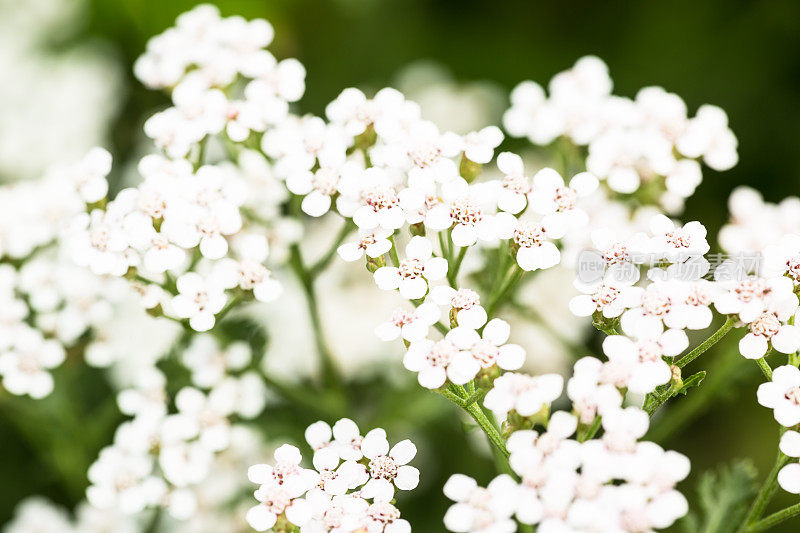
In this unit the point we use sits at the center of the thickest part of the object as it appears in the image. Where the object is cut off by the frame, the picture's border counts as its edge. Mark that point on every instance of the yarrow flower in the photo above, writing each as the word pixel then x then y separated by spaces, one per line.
pixel 415 271
pixel 782 395
pixel 336 495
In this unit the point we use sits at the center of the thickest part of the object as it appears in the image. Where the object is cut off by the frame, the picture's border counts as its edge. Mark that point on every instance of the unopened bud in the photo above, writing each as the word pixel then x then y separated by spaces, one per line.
pixel 469 169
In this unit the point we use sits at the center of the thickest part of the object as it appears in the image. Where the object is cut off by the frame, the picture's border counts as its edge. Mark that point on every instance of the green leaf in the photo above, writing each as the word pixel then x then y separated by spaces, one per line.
pixel 722 497
pixel 692 381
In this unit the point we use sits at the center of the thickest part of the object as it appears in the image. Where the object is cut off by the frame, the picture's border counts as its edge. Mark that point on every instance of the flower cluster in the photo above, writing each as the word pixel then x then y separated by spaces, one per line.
pixel 614 483
pixel 449 222
pixel 350 488
pixel 161 458
pixel 646 141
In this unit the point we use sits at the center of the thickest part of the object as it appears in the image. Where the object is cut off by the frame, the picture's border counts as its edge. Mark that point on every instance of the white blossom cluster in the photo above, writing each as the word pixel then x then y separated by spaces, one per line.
pixel 39 515
pixel 611 484
pixel 182 236
pixel 163 457
pixel 750 214
pixel 351 487
pixel 49 306
pixel 648 142
pixel 449 222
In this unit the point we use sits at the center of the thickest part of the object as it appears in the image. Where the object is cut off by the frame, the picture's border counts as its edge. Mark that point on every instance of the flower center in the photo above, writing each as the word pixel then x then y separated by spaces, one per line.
pixel 565 198
pixel 751 288
pixel 251 274
pixel 767 325
pixel 401 317
pixel 793 395
pixel 517 184
pixel 424 154
pixel 465 299
pixel 698 297
pixel 380 198
pixel 793 268
pixel 485 353
pixel 276 500
pixel 464 211
pixel 411 268
pixel 649 351
pixel 383 467
pixel 383 512
pixel 678 239
pixel 529 234
pixel 325 180
pixel 656 303
pixel 616 253
pixel 441 353
pixel 604 296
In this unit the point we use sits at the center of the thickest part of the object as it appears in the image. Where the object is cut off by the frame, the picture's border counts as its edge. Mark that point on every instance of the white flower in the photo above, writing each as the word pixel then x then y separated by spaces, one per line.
pixel 334 514
pixel 534 250
pixel 25 365
pixel 515 186
pixel 465 305
pixel 199 299
pixel 610 298
pixel 591 397
pixel 276 501
pixel 783 259
pixel 527 395
pixel 465 209
pixel 210 363
pixel 121 479
pixel 487 349
pixel 374 243
pixel 782 395
pixel 411 325
pixel 89 175
pixel 388 468
pixel 380 204
pixel 318 187
pixel 532 116
pixel 209 413
pixel 551 198
pixel 477 509
pixel 383 517
pixel 432 362
pixel 147 397
pixel 648 313
pixel 673 243
pixel 479 145
pixel 415 271
pixel 286 471
pixel 768 330
pixel 789 475
pixel 638 365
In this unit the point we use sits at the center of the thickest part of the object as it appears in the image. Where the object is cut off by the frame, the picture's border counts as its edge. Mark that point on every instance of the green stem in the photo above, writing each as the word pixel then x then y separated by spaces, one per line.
pixel 326 259
pixel 765 368
pixel 765 493
pixel 155 520
pixel 393 252
pixel 486 425
pixel 706 344
pixel 328 366
pixel 452 273
pixel 475 397
pixel 504 290
pixel 591 431
pixel 776 518
pixel 302 397
pixel 444 247
pixel 228 306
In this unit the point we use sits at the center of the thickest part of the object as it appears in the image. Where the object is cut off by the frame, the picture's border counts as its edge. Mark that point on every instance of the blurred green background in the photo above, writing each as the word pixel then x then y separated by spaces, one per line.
pixel 742 56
